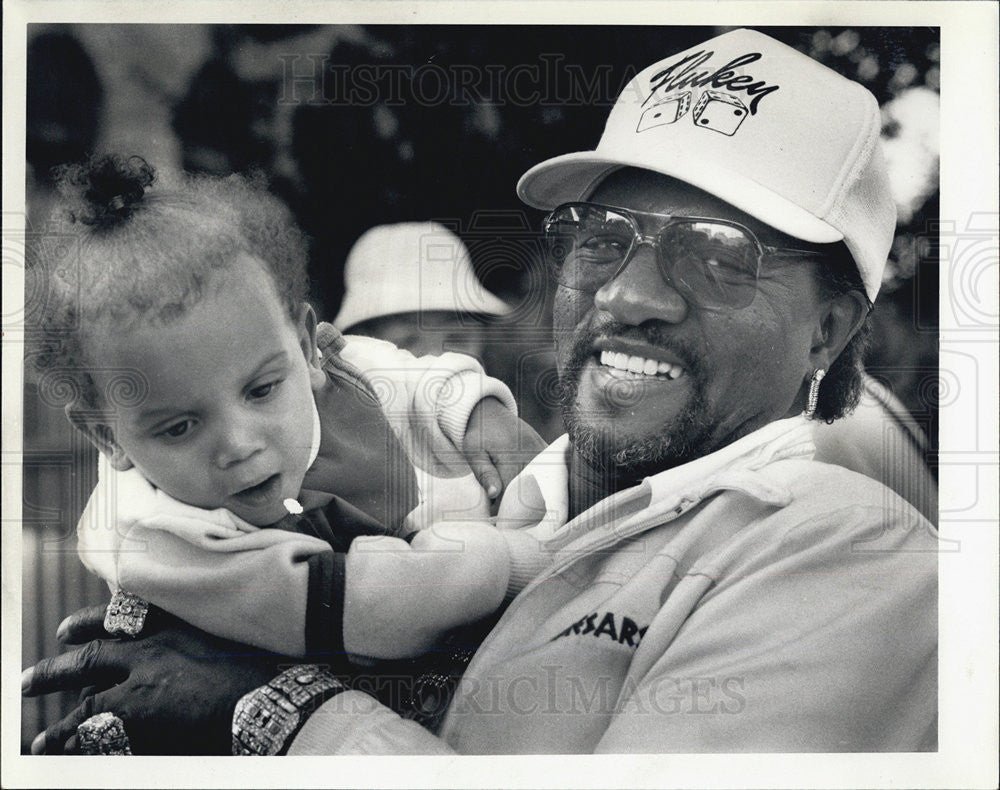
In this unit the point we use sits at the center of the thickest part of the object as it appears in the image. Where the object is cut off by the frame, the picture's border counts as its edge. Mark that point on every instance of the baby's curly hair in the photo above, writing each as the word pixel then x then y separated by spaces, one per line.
pixel 145 248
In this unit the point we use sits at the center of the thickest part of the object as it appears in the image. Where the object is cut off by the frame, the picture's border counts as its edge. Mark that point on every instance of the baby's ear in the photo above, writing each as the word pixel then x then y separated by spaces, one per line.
pixel 306 326
pixel 101 436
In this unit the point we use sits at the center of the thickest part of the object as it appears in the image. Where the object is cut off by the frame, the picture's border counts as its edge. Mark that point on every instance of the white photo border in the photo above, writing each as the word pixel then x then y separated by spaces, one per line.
pixel 968 739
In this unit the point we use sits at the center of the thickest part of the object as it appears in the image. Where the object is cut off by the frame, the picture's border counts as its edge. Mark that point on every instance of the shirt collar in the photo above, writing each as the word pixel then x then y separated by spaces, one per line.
pixel 316 432
pixel 787 438
pixel 733 466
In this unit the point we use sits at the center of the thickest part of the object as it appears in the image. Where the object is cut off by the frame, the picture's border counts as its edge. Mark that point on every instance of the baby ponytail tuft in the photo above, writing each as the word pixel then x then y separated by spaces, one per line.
pixel 105 191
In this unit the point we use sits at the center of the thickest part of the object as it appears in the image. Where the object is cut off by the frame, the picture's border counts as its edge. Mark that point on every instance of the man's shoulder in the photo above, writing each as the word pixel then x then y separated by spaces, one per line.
pixel 832 503
pixel 837 543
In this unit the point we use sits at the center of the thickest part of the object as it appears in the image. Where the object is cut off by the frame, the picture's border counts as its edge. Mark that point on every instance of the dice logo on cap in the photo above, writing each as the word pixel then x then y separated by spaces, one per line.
pixel 668 110
pixel 720 112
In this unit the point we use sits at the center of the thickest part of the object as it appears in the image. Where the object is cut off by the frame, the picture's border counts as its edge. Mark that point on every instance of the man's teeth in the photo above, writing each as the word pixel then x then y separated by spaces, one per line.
pixel 640 365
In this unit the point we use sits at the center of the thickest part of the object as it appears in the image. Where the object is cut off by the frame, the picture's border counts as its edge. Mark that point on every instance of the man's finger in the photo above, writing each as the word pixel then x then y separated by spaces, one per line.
pixel 87 691
pixel 530 440
pixel 52 739
pixel 83 626
pixel 92 664
pixel 60 738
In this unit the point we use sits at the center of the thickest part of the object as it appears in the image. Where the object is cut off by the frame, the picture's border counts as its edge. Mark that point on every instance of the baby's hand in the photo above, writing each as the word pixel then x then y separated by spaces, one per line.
pixel 498 445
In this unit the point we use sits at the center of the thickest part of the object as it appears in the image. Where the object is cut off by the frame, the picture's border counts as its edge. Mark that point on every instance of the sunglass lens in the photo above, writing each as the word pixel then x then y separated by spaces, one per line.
pixel 715 263
pixel 586 244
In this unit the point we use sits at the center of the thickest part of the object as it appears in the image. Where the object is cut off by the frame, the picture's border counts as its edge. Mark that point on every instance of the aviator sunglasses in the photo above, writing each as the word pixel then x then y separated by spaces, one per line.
pixel 711 262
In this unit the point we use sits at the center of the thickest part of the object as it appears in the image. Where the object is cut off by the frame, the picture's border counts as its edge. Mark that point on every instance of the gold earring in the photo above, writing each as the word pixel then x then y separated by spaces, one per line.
pixel 817 377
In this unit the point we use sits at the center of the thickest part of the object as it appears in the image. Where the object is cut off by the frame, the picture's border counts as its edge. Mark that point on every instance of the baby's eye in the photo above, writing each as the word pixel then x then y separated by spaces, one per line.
pixel 177 430
pixel 262 391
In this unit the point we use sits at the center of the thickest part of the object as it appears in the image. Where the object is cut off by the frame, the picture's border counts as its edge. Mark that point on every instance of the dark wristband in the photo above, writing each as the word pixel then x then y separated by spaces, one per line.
pixel 267 719
pixel 325 606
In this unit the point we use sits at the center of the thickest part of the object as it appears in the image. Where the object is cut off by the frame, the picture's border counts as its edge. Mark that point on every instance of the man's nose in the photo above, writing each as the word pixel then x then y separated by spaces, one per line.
pixel 239 439
pixel 639 293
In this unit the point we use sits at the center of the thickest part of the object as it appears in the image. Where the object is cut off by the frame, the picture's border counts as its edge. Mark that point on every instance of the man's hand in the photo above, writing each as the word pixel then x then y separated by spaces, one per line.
pixel 498 445
pixel 175 689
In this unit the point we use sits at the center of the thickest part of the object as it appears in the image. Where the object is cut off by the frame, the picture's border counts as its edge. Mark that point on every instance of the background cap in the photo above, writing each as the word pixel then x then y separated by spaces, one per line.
pixel 411 267
pixel 759 125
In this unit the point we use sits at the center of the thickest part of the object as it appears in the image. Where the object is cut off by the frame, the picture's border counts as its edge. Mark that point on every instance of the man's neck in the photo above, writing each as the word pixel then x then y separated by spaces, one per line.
pixel 588 486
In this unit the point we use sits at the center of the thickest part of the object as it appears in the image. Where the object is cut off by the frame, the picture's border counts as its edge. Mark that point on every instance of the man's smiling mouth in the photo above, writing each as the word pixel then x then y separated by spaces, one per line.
pixel 631 366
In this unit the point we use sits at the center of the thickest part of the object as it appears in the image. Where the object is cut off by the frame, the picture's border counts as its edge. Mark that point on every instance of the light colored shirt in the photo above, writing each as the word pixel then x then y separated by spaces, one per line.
pixel 751 600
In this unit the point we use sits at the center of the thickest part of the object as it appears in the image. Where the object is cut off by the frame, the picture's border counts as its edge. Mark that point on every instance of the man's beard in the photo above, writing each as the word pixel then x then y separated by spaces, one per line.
pixel 619 455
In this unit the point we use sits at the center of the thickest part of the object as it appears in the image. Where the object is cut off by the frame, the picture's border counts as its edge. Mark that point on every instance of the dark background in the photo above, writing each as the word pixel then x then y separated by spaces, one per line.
pixel 441 122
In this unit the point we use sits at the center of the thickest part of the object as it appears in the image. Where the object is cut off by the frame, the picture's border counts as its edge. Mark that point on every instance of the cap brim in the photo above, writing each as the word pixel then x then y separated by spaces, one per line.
pixel 571 177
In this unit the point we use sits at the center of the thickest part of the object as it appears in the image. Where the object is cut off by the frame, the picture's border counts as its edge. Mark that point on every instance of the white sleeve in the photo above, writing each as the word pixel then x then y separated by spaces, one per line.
pixel 400 597
pixel 122 501
pixel 208 567
pixel 355 723
pixel 444 389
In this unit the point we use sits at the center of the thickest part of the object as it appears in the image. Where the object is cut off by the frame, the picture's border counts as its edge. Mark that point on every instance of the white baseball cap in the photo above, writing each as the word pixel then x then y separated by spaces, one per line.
pixel 757 124
pixel 411 267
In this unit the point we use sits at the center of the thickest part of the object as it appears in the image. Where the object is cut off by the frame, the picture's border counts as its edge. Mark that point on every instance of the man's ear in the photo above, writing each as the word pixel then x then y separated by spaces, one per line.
pixel 841 318
pixel 306 327
pixel 101 436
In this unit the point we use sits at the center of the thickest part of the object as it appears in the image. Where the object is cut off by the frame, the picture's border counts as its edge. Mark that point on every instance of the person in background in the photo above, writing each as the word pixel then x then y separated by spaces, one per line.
pixel 413 284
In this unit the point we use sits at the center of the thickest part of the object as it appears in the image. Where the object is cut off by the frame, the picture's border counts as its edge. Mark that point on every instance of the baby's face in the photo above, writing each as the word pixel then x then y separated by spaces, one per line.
pixel 227 421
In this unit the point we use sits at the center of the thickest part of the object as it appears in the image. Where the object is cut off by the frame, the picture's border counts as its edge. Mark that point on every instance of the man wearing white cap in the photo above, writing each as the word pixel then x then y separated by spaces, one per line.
pixel 708 586
pixel 413 284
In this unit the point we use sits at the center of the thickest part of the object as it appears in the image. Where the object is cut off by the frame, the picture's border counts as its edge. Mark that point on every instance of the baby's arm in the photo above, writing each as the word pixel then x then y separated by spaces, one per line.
pixel 447 411
pixel 384 598
pixel 254 590
pixel 290 592
pixel 400 597
pixel 441 389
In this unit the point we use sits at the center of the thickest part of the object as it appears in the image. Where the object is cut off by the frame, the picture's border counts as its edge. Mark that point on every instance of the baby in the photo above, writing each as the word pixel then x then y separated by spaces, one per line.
pixel 244 413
